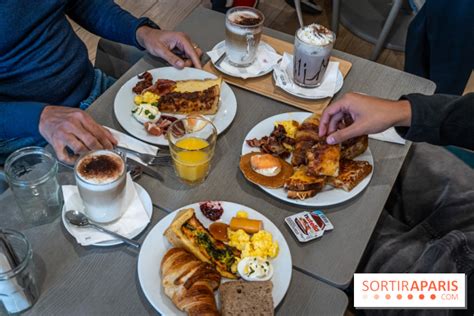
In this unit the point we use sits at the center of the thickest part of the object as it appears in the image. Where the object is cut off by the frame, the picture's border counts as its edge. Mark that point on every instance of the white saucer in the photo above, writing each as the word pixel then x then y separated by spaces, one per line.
pixel 147 204
pixel 242 71
pixel 339 84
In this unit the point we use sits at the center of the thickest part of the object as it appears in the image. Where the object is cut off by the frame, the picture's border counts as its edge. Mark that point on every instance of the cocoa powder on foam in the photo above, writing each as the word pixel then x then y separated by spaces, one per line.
pixel 100 168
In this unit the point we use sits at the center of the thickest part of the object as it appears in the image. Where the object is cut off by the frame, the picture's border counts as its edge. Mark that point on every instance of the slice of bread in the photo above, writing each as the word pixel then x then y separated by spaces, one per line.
pixel 301 181
pixel 246 298
pixel 301 195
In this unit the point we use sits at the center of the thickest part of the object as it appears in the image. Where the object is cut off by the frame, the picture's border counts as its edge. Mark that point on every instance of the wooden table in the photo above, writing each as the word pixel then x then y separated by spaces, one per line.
pixel 100 281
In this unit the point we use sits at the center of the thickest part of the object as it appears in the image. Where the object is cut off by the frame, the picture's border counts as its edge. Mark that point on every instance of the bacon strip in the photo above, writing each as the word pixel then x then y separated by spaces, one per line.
pixel 147 81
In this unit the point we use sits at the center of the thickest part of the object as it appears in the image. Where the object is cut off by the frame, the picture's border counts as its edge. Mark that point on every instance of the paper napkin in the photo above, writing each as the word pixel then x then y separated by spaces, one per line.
pixel 265 59
pixel 133 143
pixel 284 79
pixel 132 222
pixel 127 141
pixel 389 135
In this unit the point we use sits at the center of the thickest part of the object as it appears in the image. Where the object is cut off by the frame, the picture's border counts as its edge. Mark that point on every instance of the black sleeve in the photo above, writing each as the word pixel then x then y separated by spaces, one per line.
pixel 441 120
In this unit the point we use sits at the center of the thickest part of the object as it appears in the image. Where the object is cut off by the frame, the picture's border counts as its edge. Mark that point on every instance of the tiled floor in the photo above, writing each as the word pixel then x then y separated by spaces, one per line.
pixel 278 15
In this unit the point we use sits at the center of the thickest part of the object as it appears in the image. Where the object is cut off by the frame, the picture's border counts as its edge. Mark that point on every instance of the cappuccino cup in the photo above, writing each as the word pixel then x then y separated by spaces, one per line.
pixel 101 179
pixel 243 30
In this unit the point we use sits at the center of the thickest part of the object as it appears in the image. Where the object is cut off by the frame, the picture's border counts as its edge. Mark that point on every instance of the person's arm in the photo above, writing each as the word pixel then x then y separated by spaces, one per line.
pixel 63 127
pixel 441 120
pixel 108 20
pixel 438 119
pixel 20 119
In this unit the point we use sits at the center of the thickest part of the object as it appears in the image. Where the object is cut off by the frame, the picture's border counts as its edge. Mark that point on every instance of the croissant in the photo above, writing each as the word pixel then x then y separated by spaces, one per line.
pixel 189 282
pixel 306 136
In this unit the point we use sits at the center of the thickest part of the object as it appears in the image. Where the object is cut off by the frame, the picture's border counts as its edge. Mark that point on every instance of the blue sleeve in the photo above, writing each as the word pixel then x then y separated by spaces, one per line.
pixel 106 19
pixel 20 119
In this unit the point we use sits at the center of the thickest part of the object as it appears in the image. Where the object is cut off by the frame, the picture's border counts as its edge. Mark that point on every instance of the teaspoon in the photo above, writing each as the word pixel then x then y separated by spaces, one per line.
pixel 79 219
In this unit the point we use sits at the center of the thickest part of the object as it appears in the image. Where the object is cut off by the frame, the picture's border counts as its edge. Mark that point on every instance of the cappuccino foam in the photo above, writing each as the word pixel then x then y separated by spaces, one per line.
pixel 241 20
pixel 100 167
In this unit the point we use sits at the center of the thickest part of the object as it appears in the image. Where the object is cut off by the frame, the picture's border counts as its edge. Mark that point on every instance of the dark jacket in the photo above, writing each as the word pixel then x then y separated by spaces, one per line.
pixel 441 120
pixel 440 44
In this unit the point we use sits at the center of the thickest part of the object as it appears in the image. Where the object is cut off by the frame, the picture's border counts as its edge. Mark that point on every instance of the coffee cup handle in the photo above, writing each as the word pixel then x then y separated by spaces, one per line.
pixel 250 43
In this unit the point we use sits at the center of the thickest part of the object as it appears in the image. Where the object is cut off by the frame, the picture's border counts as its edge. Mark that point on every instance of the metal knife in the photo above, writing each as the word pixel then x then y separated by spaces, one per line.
pixel 146 169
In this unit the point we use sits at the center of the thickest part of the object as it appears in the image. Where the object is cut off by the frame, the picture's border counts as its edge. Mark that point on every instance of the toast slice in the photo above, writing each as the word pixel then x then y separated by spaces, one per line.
pixel 187 232
pixel 241 298
pixel 351 173
pixel 323 160
pixel 301 181
pixel 354 147
pixel 301 186
pixel 301 195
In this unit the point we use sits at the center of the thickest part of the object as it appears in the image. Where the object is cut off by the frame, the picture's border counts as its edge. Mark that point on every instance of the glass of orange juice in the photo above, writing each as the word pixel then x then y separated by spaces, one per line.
pixel 192 141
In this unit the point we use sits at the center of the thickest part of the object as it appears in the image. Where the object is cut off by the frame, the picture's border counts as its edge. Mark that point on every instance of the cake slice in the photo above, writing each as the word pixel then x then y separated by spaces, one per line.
pixel 241 298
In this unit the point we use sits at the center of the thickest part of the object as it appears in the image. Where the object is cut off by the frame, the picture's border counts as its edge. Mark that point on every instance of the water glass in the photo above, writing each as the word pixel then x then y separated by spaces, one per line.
pixel 18 290
pixel 31 173
pixel 192 141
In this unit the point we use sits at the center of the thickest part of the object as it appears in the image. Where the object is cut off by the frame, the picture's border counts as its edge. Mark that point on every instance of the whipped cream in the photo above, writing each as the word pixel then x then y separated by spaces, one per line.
pixel 315 34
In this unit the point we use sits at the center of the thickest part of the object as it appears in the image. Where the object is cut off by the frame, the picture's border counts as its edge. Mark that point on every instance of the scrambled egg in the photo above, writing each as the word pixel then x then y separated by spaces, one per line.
pixel 260 244
pixel 242 214
pixel 290 127
pixel 147 97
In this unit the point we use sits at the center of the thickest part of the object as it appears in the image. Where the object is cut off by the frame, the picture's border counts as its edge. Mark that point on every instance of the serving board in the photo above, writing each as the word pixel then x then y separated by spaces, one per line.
pixel 265 85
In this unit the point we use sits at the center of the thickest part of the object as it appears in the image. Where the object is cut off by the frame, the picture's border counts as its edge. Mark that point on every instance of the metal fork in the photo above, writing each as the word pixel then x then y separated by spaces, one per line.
pixel 135 172
pixel 148 159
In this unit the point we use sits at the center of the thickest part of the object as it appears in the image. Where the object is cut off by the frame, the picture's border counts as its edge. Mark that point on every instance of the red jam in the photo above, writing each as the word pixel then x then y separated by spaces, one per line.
pixel 211 209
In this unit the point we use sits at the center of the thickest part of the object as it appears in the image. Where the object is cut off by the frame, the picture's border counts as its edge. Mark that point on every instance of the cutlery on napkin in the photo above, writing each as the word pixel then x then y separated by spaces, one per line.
pixel 127 141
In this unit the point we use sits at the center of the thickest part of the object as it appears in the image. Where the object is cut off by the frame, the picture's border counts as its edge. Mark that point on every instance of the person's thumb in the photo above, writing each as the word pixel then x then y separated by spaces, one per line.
pixel 342 135
pixel 172 59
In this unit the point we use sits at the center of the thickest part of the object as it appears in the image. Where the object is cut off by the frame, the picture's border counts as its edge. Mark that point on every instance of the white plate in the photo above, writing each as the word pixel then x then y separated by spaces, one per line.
pixel 147 204
pixel 329 195
pixel 155 246
pixel 339 84
pixel 243 73
pixel 123 103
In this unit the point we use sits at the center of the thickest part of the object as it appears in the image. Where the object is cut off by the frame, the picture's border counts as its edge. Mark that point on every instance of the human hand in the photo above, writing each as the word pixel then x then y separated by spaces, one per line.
pixel 370 114
pixel 161 43
pixel 65 127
